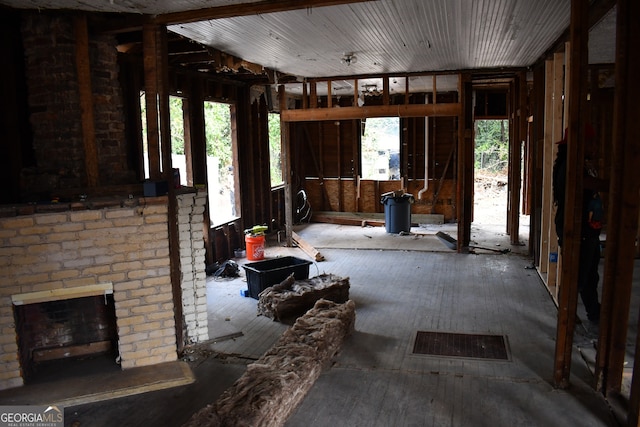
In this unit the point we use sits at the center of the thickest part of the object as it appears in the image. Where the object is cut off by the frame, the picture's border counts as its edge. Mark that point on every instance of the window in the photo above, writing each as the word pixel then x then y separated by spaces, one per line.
pixel 176 118
pixel 222 184
pixel 275 153
pixel 178 160
pixel 381 148
pixel 221 179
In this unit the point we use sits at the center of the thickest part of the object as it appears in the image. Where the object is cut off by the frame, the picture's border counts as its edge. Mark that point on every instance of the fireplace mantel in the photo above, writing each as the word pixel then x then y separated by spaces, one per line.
pixel 62 294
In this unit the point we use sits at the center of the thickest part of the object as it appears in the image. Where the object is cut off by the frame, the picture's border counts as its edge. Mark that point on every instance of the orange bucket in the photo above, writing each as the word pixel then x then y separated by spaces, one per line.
pixel 255 247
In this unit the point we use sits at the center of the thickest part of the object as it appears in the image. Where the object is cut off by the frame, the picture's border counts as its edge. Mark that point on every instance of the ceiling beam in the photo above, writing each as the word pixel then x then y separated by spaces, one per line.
pixel 246 9
pixel 351 113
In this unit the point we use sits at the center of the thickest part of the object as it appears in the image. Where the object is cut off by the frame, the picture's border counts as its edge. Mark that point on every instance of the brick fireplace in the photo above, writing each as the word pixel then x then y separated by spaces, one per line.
pixel 113 252
pixel 54 326
pixel 54 253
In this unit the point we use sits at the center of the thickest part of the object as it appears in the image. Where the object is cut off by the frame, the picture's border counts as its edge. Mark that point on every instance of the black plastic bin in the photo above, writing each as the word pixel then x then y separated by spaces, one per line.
pixel 262 274
pixel 397 212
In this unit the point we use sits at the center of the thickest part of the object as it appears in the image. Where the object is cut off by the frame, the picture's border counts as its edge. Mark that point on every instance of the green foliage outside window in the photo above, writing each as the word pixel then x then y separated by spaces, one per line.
pixel 217 119
pixel 275 158
pixel 381 138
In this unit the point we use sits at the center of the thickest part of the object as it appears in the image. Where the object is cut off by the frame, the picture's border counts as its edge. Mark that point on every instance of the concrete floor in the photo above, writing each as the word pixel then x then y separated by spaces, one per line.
pixel 376 380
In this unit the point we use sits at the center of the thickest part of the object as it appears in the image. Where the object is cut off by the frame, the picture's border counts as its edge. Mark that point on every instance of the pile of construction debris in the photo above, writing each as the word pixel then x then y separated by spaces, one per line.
pixel 292 298
pixel 272 387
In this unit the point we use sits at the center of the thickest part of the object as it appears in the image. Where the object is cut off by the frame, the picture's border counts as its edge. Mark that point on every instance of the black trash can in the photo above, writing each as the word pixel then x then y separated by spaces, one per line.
pixel 397 211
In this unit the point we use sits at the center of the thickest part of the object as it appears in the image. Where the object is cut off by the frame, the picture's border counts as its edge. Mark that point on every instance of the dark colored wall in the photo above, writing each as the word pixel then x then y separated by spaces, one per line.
pixel 54 108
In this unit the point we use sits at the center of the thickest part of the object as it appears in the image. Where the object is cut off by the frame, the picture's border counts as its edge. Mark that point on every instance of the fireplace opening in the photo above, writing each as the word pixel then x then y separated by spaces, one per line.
pixel 67 337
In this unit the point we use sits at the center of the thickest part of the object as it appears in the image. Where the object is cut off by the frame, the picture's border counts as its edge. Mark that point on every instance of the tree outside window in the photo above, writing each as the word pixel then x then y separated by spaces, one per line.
pixel 275 152
pixel 381 148
pixel 221 183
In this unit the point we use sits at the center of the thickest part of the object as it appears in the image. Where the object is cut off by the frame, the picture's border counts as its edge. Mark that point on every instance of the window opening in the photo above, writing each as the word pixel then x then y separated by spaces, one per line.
pixel 176 119
pixel 221 167
pixel 145 145
pixel 381 148
pixel 221 178
pixel 275 151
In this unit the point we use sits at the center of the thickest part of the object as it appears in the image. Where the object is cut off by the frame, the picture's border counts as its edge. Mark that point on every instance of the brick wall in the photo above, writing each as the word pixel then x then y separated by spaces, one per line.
pixel 127 246
pixel 192 262
pixel 54 104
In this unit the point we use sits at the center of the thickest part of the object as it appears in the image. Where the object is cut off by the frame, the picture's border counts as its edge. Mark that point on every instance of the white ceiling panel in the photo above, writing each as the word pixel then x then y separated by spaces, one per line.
pixel 385 36
pixel 391 36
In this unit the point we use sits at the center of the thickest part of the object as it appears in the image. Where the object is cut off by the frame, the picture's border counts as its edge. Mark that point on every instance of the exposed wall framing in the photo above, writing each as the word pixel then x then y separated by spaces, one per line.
pixel 553 131
pixel 325 148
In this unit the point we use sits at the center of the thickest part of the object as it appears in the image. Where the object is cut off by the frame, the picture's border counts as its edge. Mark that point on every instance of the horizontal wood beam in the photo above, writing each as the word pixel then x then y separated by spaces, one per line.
pixel 350 113
pixel 246 9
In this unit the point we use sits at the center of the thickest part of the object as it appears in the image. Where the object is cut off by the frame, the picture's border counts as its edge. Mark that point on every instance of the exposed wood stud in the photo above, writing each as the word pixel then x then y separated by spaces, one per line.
pixel 464 188
pixel 286 166
pixel 553 103
pixel 406 90
pixel 305 96
pixel 150 39
pixel 434 79
pixel 568 295
pixel 385 90
pixel 339 161
pixel 86 100
pixel 516 177
pixel 355 93
pixel 313 95
pixel 622 217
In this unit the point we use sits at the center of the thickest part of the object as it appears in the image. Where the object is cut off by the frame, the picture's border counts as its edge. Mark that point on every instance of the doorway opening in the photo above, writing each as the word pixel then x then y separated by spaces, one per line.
pixel 491 172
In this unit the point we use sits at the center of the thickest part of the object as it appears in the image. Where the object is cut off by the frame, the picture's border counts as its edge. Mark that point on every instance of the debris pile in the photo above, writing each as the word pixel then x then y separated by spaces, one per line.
pixel 274 385
pixel 292 298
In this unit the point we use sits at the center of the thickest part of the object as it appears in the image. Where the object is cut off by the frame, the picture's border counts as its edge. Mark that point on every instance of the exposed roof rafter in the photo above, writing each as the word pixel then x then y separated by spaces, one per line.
pixel 246 9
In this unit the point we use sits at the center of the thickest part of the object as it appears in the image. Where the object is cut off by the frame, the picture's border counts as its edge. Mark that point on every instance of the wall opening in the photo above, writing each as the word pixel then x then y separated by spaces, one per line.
pixel 381 148
pixel 275 150
pixel 491 172
pixel 222 182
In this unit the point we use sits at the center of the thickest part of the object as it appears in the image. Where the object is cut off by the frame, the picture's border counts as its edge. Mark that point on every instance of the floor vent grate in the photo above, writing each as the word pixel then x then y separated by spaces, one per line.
pixel 461 345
